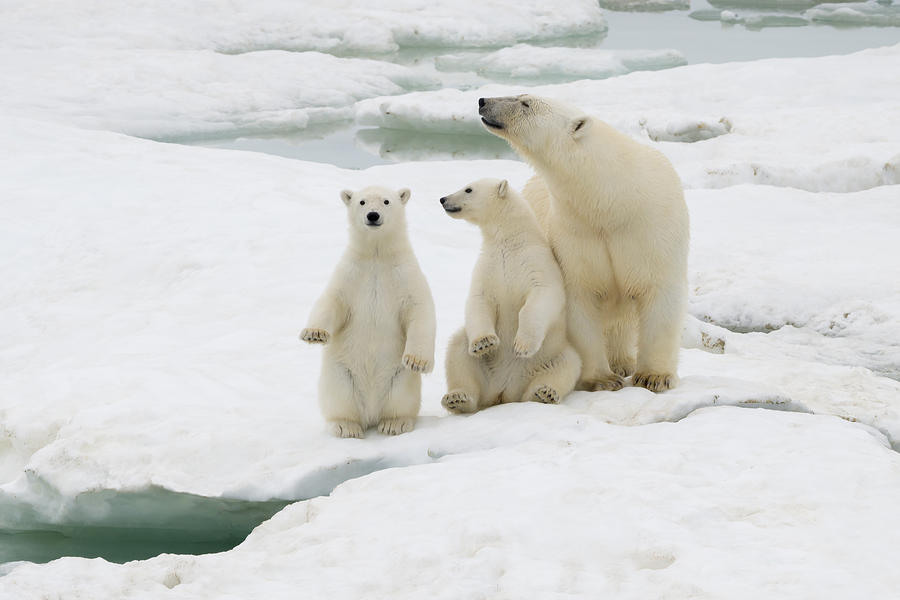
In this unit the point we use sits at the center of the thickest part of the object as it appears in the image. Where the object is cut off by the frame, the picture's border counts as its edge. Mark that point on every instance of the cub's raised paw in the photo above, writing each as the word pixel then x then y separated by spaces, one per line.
pixel 524 347
pixel 655 382
pixel 346 429
pixel 396 426
pixel 458 402
pixel 315 336
pixel 416 364
pixel 545 394
pixel 606 384
pixel 484 345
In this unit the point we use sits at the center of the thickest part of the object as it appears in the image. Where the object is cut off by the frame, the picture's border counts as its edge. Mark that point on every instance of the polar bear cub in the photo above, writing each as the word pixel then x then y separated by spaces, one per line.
pixel 376 319
pixel 513 347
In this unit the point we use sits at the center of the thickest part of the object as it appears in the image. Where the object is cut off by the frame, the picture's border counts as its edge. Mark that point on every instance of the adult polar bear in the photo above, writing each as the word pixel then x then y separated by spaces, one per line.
pixel 614 212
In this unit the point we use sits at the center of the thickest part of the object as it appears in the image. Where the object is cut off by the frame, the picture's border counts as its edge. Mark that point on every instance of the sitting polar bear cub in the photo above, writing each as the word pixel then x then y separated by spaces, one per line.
pixel 513 347
pixel 615 215
pixel 377 320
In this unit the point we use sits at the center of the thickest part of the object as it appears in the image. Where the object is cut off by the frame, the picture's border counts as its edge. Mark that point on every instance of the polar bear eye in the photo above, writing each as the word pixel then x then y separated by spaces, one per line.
pixel 468 190
pixel 362 202
pixel 387 202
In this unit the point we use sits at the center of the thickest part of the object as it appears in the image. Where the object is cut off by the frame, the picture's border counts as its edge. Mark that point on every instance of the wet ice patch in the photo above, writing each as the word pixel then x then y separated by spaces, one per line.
pixel 559 64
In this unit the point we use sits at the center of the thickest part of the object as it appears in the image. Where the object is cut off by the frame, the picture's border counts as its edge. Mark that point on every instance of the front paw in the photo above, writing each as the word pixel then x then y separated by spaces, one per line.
pixel 484 345
pixel 346 429
pixel 416 364
pixel 457 401
pixel 525 347
pixel 396 426
pixel 315 336
pixel 608 383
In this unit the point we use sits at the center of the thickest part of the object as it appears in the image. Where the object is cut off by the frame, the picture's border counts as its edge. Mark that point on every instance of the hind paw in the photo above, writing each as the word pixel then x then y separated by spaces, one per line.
pixel 458 402
pixel 484 345
pixel 545 395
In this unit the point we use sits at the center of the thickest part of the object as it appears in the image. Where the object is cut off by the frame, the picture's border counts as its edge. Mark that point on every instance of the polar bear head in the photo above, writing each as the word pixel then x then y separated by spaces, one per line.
pixel 478 202
pixel 376 210
pixel 533 125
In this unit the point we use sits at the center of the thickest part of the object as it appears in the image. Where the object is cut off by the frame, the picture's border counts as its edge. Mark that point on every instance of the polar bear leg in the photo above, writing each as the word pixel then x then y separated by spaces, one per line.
pixel 661 317
pixel 556 379
pixel 337 400
pixel 621 333
pixel 465 379
pixel 585 328
pixel 402 405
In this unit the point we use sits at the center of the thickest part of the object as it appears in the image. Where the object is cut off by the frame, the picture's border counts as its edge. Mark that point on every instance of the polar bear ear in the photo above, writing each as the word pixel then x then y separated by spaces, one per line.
pixel 578 126
pixel 404 195
pixel 501 189
pixel 346 195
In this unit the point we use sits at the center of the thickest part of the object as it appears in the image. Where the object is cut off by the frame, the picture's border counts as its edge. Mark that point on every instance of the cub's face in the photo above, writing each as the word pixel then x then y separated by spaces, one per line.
pixel 532 124
pixel 375 210
pixel 477 201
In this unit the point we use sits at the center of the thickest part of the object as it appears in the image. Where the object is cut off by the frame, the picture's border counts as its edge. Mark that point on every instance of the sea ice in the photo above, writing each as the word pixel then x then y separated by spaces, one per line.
pixel 559 64
pixel 645 5
pixel 856 14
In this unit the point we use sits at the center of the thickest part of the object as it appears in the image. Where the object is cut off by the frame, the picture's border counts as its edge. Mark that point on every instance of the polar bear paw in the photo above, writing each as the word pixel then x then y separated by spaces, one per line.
pixel 458 402
pixel 484 345
pixel 623 368
pixel 655 382
pixel 396 426
pixel 315 336
pixel 416 364
pixel 610 383
pixel 525 347
pixel 545 395
pixel 346 429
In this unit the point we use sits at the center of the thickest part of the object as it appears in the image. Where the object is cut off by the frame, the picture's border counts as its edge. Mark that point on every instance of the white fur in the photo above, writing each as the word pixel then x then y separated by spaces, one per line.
pixel 377 320
pixel 513 347
pixel 614 212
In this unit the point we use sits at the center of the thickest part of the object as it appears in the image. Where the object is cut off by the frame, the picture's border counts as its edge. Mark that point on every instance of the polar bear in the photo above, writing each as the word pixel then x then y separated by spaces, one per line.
pixel 376 318
pixel 513 347
pixel 614 212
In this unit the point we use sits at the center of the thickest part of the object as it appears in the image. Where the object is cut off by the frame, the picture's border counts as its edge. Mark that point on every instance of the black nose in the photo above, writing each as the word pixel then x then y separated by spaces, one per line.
pixel 373 216
pixel 443 200
pixel 480 102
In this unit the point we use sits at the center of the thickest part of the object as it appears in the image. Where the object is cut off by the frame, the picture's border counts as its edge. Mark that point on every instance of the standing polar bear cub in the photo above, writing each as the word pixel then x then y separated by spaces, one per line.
pixel 376 319
pixel 614 212
pixel 513 346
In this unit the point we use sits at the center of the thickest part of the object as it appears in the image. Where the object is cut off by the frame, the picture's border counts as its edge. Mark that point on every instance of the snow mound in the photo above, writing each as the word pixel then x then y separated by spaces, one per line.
pixel 534 62
pixel 760 21
pixel 164 94
pixel 645 5
pixel 785 5
pixel 687 130
pixel 856 14
pixel 342 26
pixel 642 512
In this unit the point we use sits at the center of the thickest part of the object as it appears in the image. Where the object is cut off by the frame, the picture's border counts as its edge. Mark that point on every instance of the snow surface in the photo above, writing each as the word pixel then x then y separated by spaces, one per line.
pixel 728 503
pixel 801 126
pixel 523 61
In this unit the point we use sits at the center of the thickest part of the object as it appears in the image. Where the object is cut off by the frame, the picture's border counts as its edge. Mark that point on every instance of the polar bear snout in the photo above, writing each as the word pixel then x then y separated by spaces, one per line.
pixel 373 219
pixel 490 110
pixel 450 206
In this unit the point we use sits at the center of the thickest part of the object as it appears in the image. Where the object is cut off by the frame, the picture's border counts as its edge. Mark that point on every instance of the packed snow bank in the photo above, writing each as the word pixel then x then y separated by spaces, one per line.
pixel 559 64
pixel 165 94
pixel 727 503
pixel 801 127
pixel 340 26
pixel 856 14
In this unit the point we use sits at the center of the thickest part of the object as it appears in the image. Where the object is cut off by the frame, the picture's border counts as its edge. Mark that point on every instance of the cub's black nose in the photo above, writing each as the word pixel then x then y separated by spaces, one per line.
pixel 443 200
pixel 480 102
pixel 372 216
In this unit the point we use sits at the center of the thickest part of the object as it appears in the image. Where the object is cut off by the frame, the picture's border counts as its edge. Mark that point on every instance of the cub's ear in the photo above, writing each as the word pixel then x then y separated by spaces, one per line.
pixel 404 195
pixel 346 195
pixel 578 126
pixel 501 189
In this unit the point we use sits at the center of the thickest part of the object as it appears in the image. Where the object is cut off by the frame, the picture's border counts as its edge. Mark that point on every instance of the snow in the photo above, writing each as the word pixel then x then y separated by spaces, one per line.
pixel 340 26
pixel 169 94
pixel 523 61
pixel 801 126
pixel 856 14
pixel 700 508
